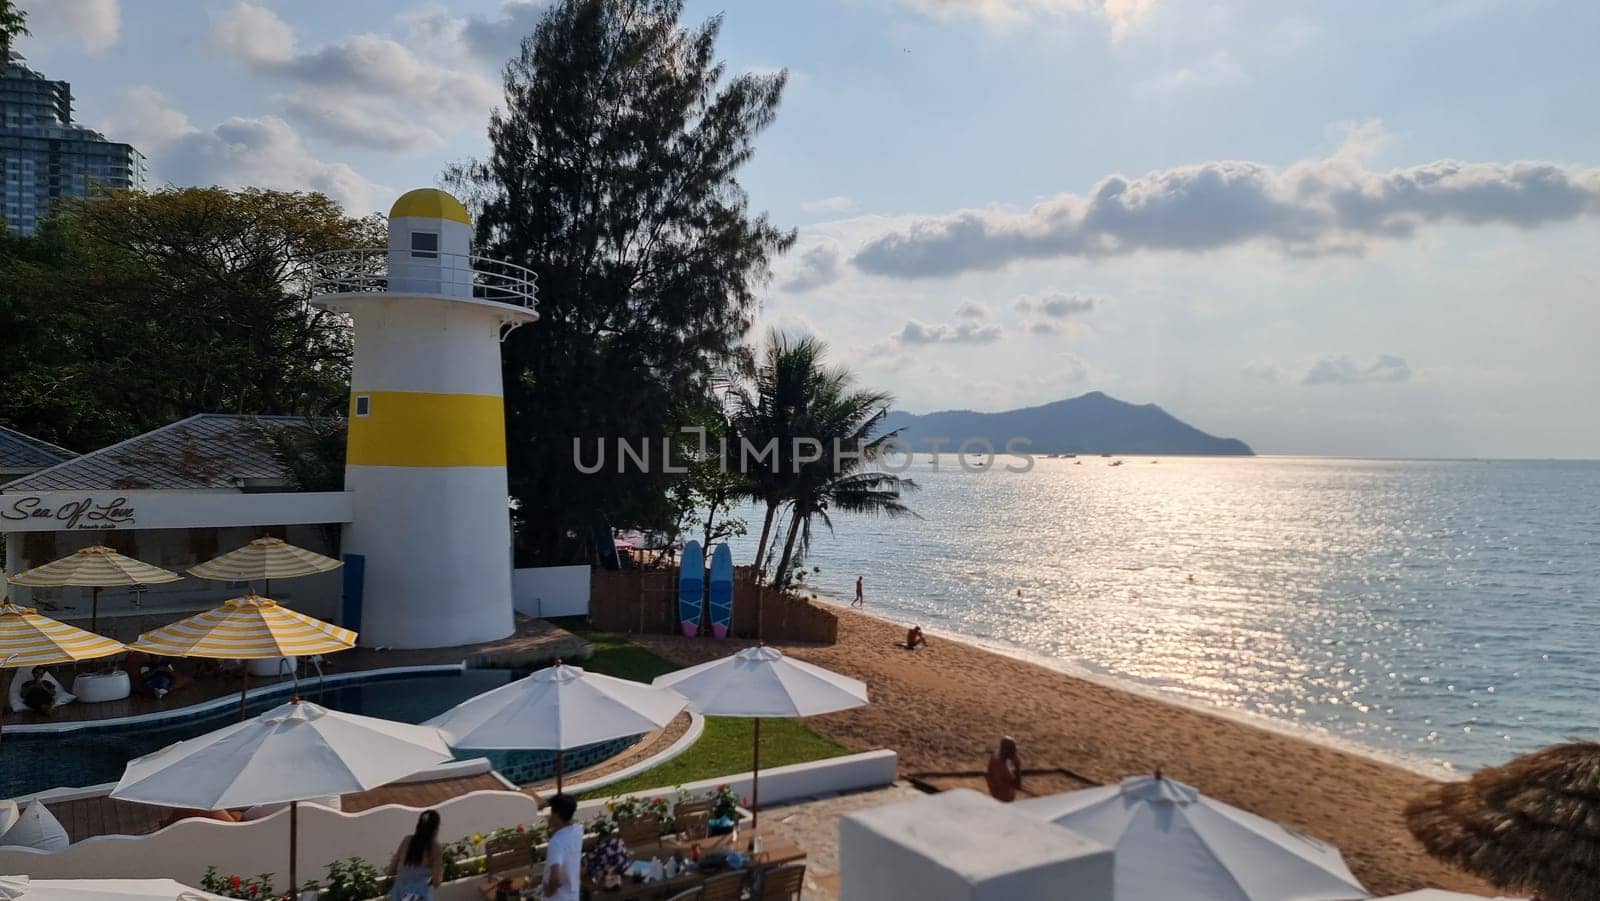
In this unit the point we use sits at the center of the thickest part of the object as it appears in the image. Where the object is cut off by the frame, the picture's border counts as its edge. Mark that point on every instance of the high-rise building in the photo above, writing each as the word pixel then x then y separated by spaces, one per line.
pixel 45 156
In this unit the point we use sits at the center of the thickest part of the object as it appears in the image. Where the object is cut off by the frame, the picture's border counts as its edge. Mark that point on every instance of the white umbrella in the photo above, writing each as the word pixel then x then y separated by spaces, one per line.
pixel 292 753
pixel 558 708
pixel 13 888
pixel 1170 841
pixel 760 682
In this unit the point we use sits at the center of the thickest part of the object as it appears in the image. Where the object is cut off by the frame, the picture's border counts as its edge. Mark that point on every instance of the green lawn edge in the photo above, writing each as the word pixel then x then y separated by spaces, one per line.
pixel 723 749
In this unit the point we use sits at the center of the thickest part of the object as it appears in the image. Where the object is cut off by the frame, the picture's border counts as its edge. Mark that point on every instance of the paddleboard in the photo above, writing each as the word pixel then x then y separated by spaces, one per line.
pixel 691 588
pixel 721 591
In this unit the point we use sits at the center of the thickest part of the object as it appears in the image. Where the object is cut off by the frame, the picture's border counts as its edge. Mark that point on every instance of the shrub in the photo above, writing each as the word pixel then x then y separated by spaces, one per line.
pixel 250 888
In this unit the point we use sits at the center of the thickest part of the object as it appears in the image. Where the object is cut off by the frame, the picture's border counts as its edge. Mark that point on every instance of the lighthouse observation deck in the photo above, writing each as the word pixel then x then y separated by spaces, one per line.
pixel 342 275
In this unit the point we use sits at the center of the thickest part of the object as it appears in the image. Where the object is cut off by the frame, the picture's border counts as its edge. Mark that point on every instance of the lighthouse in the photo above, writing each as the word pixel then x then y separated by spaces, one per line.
pixel 430 538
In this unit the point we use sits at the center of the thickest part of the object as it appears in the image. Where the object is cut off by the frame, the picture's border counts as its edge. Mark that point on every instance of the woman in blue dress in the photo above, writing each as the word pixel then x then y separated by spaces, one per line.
pixel 418 864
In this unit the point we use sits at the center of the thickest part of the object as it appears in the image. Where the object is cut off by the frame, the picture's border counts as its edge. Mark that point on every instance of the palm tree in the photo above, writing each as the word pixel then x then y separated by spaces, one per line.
pixel 844 422
pixel 770 417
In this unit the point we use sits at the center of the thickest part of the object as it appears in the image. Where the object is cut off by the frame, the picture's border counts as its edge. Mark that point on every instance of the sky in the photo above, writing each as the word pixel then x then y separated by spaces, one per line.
pixel 1347 229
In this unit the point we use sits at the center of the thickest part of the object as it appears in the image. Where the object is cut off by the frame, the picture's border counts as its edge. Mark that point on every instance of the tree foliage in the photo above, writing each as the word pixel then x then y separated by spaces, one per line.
pixel 613 174
pixel 131 310
pixel 13 24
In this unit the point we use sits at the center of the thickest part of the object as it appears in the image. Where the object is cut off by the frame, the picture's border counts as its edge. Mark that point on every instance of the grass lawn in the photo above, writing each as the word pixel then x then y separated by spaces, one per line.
pixel 723 749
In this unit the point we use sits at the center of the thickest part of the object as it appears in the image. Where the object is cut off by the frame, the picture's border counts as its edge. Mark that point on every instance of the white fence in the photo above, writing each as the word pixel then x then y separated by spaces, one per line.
pixel 546 591
pixel 183 850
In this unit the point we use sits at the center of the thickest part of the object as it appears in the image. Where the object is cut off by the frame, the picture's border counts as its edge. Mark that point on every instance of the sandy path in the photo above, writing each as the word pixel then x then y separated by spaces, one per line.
pixel 942 706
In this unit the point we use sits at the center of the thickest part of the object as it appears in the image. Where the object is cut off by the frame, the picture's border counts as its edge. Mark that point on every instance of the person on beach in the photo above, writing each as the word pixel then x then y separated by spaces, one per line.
pixel 418 864
pixel 914 638
pixel 861 600
pixel 564 858
pixel 1005 771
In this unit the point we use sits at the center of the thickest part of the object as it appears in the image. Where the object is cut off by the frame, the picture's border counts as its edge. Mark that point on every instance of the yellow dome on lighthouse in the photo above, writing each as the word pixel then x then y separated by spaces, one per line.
pixel 430 203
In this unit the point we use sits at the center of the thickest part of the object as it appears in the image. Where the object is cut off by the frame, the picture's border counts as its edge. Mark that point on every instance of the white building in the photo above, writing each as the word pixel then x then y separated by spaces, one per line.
pixel 173 497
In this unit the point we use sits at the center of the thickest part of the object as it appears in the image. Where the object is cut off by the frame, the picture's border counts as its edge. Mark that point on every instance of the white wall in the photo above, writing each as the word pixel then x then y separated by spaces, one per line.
pixel 783 784
pixel 183 850
pixel 49 511
pixel 963 846
pixel 551 591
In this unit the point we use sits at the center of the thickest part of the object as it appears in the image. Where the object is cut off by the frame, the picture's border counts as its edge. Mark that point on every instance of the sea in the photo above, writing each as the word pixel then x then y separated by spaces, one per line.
pixel 1443 613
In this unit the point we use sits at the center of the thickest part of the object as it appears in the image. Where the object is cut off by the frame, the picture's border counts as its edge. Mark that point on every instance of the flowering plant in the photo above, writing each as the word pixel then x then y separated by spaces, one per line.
pixel 724 803
pixel 250 888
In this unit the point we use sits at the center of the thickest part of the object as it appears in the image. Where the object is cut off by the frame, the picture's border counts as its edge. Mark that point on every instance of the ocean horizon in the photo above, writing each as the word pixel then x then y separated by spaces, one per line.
pixel 1432 611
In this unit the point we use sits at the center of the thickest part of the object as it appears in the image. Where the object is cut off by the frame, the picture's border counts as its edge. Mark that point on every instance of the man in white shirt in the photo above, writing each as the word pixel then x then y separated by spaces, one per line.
pixel 563 864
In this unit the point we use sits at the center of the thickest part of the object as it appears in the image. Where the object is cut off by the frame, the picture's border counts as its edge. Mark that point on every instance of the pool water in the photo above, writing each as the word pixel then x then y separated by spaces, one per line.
pixel 34 762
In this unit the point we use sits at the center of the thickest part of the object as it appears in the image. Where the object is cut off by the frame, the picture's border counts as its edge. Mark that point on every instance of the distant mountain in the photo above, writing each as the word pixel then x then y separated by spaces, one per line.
pixel 1092 423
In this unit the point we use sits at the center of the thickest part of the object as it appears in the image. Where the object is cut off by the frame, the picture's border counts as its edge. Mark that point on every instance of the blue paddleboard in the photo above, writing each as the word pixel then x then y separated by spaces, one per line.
pixel 721 591
pixel 691 588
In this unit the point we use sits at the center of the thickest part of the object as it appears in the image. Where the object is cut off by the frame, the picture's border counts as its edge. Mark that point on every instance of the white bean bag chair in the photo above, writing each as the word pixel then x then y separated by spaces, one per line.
pixel 262 811
pixel 37 828
pixel 63 697
pixel 8 815
pixel 95 688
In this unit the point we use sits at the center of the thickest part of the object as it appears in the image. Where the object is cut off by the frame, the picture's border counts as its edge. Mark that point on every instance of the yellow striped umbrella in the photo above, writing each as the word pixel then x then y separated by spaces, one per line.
pixel 265 559
pixel 94 567
pixel 28 639
pixel 247 628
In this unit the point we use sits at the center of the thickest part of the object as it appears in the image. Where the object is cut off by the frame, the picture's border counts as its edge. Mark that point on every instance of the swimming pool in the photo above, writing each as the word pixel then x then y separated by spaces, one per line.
pixel 33 762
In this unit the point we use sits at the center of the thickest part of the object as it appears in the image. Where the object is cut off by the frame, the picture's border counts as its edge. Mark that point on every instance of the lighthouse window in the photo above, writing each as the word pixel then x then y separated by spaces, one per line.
pixel 363 405
pixel 425 245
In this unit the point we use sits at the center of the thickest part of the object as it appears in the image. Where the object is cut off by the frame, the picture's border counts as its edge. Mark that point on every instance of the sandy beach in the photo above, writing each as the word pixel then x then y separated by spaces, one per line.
pixel 942 706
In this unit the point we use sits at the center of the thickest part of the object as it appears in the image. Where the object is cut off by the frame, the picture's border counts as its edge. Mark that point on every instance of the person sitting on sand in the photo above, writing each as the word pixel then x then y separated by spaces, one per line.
pixel 1004 773
pixel 914 638
pixel 39 692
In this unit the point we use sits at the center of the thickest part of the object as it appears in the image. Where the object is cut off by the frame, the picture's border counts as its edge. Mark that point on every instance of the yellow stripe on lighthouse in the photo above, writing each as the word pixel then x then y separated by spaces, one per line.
pixel 416 428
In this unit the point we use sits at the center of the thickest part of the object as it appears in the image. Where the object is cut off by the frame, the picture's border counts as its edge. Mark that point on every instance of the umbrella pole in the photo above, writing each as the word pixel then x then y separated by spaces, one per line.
pixel 94 609
pixel 558 771
pixel 294 849
pixel 755 782
pixel 244 687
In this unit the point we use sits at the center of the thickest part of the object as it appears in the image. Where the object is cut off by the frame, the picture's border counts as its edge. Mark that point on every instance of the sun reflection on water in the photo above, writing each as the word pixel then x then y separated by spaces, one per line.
pixel 1444 609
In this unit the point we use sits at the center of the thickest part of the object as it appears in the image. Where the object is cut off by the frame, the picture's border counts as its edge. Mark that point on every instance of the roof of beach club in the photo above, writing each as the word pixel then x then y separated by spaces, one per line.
pixel 25 452
pixel 206 451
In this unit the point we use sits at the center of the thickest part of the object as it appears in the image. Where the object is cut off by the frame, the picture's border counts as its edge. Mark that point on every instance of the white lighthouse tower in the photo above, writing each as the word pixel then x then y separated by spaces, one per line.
pixel 430 541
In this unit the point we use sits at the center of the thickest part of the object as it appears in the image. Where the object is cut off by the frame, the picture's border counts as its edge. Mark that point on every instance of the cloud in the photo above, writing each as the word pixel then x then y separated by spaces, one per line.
pixel 1216 70
pixel 1057 306
pixel 348 121
pixel 1344 371
pixel 263 152
pixel 835 204
pixel 817 267
pixel 493 39
pixel 970 310
pixel 364 90
pixel 966 332
pixel 1264 373
pixel 1329 206
pixel 92 25
pixel 1122 17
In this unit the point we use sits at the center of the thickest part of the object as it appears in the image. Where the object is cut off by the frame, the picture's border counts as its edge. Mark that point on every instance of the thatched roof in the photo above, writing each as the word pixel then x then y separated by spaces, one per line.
pixel 1532 825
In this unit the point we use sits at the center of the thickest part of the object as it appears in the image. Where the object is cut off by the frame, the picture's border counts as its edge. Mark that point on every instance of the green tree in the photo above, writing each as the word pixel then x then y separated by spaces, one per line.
pixel 13 24
pixel 769 414
pixel 131 310
pixel 843 422
pixel 612 174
